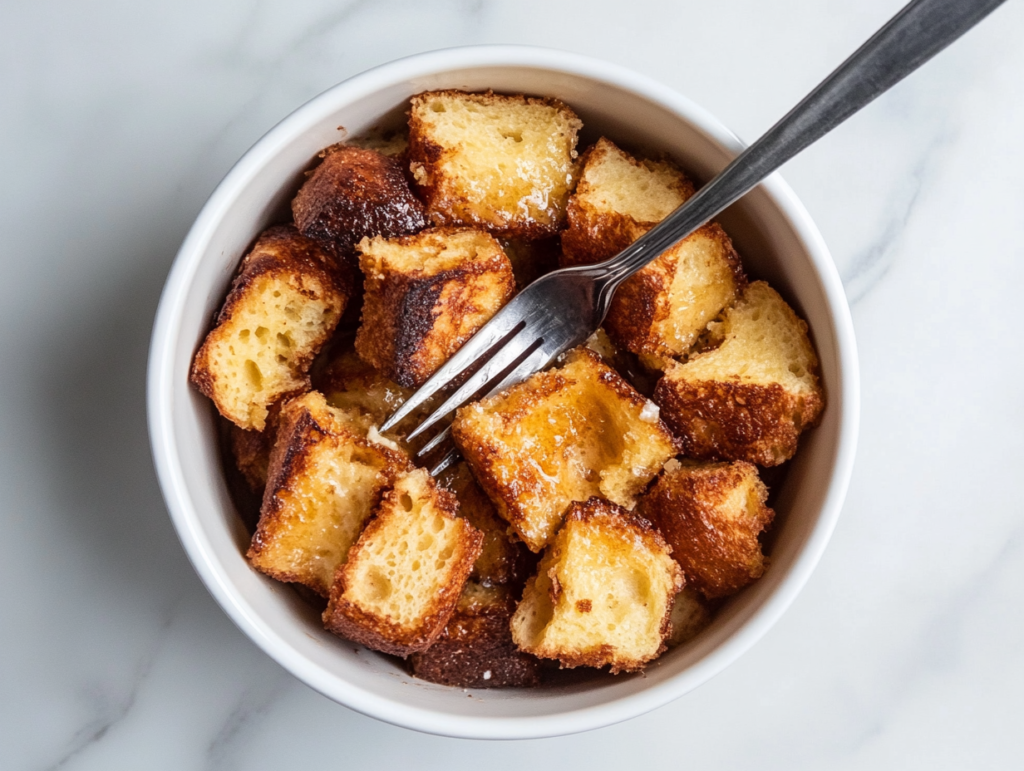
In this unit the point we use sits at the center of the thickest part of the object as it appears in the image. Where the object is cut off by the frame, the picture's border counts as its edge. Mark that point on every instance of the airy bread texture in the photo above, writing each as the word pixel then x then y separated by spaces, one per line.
pixel 602 593
pixel 752 396
pixel 711 516
pixel 325 479
pixel 476 649
pixel 425 296
pixel 563 435
pixel 502 560
pixel 664 308
pixel 355 193
pixel 404 575
pixel 504 163
pixel 282 307
pixel 617 200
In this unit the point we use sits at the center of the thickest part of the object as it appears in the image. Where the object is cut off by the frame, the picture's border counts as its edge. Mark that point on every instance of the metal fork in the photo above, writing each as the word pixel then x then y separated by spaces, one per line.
pixel 562 309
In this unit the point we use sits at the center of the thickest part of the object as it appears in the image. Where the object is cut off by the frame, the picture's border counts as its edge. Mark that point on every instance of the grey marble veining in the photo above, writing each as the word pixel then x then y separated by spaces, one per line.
pixel 905 649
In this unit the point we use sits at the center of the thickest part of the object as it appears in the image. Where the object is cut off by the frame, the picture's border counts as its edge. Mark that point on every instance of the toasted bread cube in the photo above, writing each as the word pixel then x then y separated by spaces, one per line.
pixel 502 560
pixel 349 383
pixel 602 593
pixel 282 307
pixel 711 516
pixel 751 397
pixel 667 305
pixel 663 309
pixel 563 435
pixel 325 479
pixel 690 616
pixel 251 453
pixel 425 296
pixel 504 163
pixel 617 200
pixel 476 649
pixel 356 193
pixel 404 575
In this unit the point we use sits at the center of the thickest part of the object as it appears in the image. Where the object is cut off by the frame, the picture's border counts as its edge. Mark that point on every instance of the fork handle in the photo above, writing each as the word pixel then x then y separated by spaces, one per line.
pixel 908 40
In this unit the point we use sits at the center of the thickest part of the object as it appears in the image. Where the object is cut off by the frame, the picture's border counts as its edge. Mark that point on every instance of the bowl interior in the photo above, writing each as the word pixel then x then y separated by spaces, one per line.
pixel 776 242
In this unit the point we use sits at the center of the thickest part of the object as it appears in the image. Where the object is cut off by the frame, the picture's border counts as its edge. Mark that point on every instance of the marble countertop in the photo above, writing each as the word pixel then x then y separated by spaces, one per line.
pixel 904 651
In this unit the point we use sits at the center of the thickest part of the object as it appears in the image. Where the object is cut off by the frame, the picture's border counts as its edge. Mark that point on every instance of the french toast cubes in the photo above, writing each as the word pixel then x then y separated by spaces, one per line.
pixel 663 309
pixel 356 193
pixel 752 396
pixel 502 560
pixel 325 479
pixel 283 306
pixel 711 516
pixel 602 594
pixel 563 435
pixel 404 575
pixel 476 648
pixel 425 296
pixel 503 163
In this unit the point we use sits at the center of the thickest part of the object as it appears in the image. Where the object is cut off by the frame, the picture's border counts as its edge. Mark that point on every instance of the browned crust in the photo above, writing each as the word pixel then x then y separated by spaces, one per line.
pixel 280 251
pixel 730 420
pixel 347 619
pixel 719 555
pixel 476 651
pixel 593 237
pixel 446 210
pixel 298 431
pixel 643 301
pixel 398 330
pixel 502 560
pixel 251 453
pixel 631 526
pixel 355 193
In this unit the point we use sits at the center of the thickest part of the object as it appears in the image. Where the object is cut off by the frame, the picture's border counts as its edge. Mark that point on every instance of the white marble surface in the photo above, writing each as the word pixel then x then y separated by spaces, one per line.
pixel 905 650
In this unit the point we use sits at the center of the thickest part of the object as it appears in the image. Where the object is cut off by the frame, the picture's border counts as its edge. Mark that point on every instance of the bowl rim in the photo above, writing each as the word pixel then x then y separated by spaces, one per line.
pixel 184 514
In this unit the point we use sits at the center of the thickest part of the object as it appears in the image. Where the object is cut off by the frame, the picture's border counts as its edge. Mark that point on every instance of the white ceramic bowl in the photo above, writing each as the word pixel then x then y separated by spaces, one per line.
pixel 777 241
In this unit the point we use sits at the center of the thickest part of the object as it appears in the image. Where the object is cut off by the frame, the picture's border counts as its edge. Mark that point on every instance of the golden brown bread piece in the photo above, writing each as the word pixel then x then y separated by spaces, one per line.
pixel 351 384
pixel 404 575
pixel 562 436
pixel 617 200
pixel 325 479
pixel 752 396
pixel 602 594
pixel 690 616
pixel 282 307
pixel 502 559
pixel 663 309
pixel 425 296
pixel 356 193
pixel 711 516
pixel 251 453
pixel 504 163
pixel 476 649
